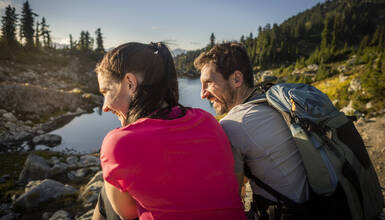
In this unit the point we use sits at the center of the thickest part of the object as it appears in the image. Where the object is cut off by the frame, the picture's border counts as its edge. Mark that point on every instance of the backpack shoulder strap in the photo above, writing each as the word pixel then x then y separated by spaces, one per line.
pixel 279 196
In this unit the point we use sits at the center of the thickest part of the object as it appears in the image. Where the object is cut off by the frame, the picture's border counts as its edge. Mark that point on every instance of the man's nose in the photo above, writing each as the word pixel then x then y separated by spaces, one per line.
pixel 204 93
pixel 105 106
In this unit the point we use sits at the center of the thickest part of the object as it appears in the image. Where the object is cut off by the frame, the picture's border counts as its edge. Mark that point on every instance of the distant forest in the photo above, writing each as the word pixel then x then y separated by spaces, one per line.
pixel 27 39
pixel 328 32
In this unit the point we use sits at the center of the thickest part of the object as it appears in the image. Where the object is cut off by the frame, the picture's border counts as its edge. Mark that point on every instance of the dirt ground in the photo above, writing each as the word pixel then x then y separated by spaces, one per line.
pixel 372 131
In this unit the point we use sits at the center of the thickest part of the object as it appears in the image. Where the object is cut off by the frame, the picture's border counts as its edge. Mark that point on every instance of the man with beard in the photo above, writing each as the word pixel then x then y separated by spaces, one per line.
pixel 258 134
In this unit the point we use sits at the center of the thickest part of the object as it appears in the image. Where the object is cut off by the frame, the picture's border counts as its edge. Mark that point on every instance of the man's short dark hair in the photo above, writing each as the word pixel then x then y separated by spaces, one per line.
pixel 228 57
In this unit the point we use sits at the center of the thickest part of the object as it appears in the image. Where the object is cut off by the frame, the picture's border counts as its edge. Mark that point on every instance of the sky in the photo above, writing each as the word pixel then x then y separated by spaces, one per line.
pixel 180 23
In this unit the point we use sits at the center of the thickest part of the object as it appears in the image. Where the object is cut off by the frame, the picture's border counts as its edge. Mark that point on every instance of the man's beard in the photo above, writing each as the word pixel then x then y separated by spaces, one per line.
pixel 228 103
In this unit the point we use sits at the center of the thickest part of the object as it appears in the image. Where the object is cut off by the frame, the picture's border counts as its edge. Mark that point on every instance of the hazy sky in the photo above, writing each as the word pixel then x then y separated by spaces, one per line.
pixel 181 23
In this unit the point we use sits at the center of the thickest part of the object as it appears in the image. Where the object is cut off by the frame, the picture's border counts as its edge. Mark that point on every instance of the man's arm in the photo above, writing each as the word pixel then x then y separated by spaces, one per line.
pixel 122 202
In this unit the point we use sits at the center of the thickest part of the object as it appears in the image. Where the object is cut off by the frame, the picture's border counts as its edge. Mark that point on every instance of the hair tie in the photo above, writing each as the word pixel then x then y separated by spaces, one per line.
pixel 155 47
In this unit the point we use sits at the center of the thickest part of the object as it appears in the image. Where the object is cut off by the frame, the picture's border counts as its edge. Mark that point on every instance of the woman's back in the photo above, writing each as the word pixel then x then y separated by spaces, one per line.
pixel 174 169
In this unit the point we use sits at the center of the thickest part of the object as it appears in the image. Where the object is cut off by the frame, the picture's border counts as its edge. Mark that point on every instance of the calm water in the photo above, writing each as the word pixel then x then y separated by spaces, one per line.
pixel 85 133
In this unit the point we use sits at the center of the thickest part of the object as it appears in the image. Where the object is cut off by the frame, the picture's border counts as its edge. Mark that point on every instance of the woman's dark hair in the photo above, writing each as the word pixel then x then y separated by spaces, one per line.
pixel 151 62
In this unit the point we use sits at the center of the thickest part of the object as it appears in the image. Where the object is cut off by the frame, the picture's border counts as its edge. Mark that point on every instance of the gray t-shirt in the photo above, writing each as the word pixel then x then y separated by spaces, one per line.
pixel 261 139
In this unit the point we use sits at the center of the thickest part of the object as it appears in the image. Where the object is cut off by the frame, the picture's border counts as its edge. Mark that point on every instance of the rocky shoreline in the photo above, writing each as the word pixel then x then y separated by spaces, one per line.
pixel 55 188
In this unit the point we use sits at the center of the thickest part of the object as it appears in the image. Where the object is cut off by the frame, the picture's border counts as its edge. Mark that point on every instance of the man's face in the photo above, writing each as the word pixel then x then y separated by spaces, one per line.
pixel 216 89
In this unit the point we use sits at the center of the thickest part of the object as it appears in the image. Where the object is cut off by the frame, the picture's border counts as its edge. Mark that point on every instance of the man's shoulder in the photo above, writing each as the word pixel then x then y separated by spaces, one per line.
pixel 247 111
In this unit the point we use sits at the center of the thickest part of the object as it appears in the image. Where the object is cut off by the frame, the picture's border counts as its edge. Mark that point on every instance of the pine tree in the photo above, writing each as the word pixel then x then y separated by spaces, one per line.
pixel 45 33
pixel 27 22
pixel 99 41
pixel 8 27
pixel 212 40
pixel 37 35
pixel 71 42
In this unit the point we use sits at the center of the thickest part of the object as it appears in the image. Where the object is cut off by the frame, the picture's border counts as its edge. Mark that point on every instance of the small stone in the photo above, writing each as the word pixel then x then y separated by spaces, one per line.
pixel 9 116
pixel 80 173
pixel 72 160
pixel 50 140
pixel 46 215
pixel 89 160
pixel 60 215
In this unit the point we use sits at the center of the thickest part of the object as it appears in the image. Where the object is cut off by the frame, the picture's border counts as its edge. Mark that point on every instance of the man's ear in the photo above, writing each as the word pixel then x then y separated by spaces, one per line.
pixel 131 81
pixel 236 79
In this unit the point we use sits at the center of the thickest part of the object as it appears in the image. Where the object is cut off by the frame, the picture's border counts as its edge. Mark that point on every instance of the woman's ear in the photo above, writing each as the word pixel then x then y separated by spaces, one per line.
pixel 131 81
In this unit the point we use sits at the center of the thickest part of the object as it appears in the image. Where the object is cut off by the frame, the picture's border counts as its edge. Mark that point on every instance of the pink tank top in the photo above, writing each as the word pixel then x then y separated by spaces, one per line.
pixel 175 169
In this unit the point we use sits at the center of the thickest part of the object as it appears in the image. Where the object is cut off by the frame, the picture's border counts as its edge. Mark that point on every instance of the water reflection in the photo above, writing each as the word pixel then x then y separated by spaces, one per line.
pixel 85 133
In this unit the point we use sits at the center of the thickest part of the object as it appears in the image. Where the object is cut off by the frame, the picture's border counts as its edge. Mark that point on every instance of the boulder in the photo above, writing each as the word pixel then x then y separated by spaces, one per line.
pixel 11 216
pixel 35 168
pixel 92 189
pixel 89 160
pixel 50 140
pixel 354 85
pixel 348 110
pixel 61 215
pixel 312 68
pixel 342 78
pixel 45 191
pixel 9 116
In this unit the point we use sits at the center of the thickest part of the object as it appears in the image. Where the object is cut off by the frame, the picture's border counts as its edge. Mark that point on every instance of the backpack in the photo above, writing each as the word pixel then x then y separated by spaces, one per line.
pixel 333 153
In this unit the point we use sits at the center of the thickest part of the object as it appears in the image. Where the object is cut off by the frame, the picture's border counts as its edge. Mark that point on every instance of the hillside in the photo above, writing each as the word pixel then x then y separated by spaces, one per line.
pixel 342 39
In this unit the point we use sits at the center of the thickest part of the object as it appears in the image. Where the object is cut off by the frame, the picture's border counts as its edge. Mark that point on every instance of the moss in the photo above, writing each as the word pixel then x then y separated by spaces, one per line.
pixel 47 117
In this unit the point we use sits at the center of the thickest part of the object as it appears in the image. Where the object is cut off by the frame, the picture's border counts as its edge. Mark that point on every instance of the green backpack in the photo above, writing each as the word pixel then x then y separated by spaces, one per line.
pixel 332 150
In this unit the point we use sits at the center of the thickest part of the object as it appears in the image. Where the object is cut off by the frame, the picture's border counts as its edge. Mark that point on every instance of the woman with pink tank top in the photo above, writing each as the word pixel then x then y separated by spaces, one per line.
pixel 167 161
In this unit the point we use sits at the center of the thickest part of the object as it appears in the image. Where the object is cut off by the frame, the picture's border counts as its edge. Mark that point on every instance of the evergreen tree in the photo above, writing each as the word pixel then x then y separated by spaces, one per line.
pixel 27 22
pixel 45 33
pixel 212 40
pixel 71 42
pixel 99 41
pixel 37 35
pixel 8 27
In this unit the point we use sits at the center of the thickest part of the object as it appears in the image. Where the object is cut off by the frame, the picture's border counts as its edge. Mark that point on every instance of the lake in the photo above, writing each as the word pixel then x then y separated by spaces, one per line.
pixel 85 133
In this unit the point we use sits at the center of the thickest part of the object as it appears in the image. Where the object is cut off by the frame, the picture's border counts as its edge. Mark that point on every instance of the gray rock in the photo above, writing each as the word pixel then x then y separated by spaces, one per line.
pixel 10 216
pixel 94 168
pixel 312 67
pixel 348 110
pixel 21 135
pixel 72 161
pixel 86 216
pixel 47 190
pixel 89 160
pixel 354 85
pixel 61 215
pixel 35 168
pixel 10 125
pixel 50 140
pixel 9 116
pixel 58 169
pixel 54 160
pixel 267 78
pixel 92 189
pixel 341 68
pixel 32 184
pixel 80 173
pixel 46 215
pixel 342 78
